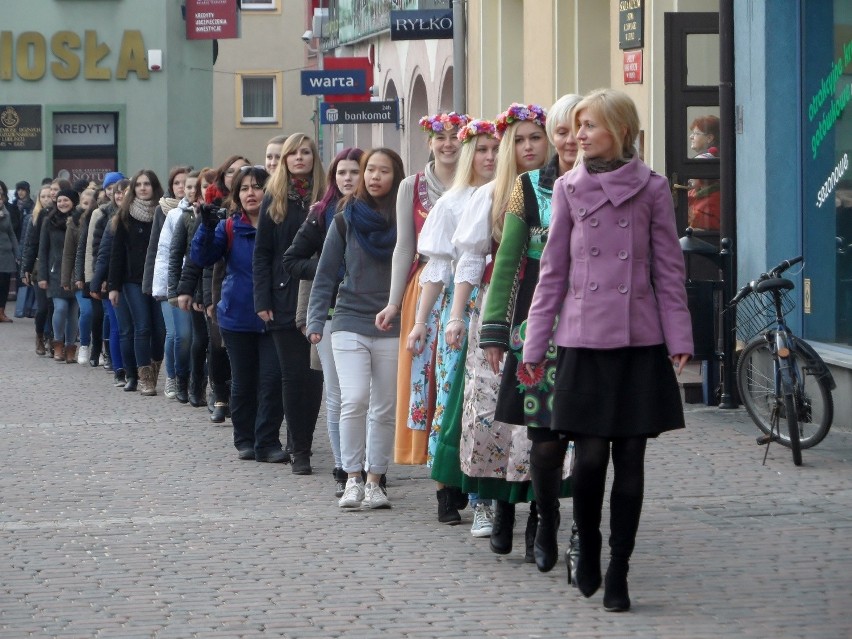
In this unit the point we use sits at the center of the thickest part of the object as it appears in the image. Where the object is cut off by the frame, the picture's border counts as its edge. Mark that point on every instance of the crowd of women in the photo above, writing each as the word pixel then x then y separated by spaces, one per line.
pixel 511 316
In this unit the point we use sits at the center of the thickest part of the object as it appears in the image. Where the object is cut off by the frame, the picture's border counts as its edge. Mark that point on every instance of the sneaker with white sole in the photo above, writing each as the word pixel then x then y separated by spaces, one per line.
pixel 482 517
pixel 83 354
pixel 375 497
pixel 171 387
pixel 353 495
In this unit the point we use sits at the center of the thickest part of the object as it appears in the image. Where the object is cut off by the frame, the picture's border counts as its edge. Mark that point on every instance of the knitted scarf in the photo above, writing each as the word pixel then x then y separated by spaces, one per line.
pixel 374 234
pixel 168 203
pixel 300 188
pixel 142 210
pixel 600 165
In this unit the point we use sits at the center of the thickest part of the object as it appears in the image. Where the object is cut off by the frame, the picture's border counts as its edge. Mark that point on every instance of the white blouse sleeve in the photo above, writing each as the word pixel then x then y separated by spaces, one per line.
pixel 472 238
pixel 436 237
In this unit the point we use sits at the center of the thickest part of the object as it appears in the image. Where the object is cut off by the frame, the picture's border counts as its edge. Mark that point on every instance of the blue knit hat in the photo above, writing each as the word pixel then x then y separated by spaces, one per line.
pixel 112 178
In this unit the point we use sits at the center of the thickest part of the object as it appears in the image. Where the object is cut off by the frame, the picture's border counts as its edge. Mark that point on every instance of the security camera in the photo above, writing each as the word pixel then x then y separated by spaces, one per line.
pixel 307 36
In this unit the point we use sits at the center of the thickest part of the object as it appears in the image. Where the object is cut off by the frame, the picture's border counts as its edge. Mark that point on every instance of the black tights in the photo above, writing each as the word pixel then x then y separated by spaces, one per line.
pixel 591 459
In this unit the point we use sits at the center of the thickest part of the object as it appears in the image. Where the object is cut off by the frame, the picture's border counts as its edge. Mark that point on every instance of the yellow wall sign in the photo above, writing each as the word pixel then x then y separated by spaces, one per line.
pixel 26 55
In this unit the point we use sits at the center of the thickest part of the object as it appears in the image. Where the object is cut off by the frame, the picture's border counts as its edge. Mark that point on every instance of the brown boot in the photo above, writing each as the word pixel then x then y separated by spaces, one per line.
pixel 71 354
pixel 156 365
pixel 59 352
pixel 40 344
pixel 3 317
pixel 147 381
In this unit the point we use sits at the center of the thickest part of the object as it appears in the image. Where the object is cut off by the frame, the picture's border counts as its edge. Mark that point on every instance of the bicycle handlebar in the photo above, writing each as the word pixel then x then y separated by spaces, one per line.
pixel 773 272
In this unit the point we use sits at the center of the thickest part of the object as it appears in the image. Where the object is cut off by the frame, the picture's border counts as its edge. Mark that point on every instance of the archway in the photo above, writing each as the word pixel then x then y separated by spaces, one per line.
pixel 391 135
pixel 418 106
pixel 445 103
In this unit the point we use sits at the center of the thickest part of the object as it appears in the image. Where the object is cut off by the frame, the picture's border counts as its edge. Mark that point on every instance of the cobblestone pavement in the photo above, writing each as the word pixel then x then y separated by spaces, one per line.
pixel 126 516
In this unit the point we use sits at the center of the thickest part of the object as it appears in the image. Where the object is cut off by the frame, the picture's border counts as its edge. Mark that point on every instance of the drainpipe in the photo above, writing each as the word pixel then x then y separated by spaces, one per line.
pixel 727 176
pixel 459 65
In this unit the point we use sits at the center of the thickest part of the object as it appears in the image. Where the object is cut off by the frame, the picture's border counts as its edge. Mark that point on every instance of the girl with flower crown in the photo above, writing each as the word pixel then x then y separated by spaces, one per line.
pixel 477 162
pixel 490 450
pixel 523 399
pixel 417 195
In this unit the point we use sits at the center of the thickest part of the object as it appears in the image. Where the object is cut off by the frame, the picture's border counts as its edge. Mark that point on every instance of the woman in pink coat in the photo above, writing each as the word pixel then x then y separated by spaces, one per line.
pixel 612 272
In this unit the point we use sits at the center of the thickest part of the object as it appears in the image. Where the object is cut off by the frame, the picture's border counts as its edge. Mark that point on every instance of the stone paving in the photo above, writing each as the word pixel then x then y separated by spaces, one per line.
pixel 126 516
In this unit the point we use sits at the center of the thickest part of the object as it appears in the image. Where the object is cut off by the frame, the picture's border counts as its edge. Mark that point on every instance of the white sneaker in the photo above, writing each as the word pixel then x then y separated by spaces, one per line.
pixel 375 497
pixel 171 387
pixel 83 355
pixel 353 495
pixel 482 517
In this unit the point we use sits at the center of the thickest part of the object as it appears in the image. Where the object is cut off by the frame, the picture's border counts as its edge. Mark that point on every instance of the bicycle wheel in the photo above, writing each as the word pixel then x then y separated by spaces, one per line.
pixel 793 428
pixel 813 404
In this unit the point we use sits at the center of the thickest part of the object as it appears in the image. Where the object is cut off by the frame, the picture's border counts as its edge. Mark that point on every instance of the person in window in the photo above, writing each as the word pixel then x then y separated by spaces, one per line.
pixel 704 197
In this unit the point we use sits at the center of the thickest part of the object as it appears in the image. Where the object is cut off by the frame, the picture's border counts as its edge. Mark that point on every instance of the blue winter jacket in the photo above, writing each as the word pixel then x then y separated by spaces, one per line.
pixel 235 310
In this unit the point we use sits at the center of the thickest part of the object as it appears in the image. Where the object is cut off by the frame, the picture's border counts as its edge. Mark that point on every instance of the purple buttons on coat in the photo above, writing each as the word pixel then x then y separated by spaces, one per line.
pixel 623 222
pixel 622 255
pixel 594 251
pixel 593 286
pixel 622 288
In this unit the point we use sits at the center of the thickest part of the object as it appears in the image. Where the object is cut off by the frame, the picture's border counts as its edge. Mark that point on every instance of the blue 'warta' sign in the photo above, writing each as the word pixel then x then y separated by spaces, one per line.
pixel 334 82
pixel 434 24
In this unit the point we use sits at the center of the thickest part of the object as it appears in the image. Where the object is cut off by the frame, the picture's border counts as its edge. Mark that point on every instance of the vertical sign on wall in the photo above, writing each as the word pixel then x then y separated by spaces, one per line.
pixel 630 20
pixel 211 19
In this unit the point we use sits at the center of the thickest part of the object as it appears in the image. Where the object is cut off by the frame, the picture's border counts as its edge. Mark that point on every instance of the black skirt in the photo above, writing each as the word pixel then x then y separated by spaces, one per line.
pixel 623 392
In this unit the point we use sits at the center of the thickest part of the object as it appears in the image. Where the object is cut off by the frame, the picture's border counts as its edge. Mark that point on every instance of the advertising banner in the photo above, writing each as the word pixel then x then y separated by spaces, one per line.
pixel 20 127
pixel 211 19
pixel 385 112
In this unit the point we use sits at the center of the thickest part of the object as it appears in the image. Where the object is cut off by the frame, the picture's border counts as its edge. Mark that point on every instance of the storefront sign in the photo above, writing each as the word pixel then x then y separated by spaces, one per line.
pixel 630 20
pixel 211 19
pixel 25 55
pixel 335 82
pixel 633 67
pixel 360 63
pixel 83 129
pixel 386 112
pixel 89 169
pixel 20 127
pixel 421 25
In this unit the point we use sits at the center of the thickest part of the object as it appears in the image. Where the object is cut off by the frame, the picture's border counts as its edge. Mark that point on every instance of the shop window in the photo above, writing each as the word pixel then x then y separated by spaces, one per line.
pixel 259 5
pixel 259 100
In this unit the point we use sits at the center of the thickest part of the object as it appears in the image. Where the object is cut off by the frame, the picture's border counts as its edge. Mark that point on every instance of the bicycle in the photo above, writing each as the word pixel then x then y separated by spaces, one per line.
pixel 783 383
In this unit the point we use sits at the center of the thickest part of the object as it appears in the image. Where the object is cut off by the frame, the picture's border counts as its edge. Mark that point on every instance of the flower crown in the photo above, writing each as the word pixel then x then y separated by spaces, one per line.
pixel 443 122
pixel 517 112
pixel 476 127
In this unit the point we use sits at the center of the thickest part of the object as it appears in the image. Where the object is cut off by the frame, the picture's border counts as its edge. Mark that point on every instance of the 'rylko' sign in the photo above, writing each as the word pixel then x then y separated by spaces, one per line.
pixel 436 24
pixel 385 112
pixel 335 82
pixel 211 19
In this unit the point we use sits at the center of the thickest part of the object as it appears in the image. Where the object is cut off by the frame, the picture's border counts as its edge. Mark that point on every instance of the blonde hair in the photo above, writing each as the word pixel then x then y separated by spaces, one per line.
pixel 278 187
pixel 38 208
pixel 504 178
pixel 560 113
pixel 618 115
pixel 464 176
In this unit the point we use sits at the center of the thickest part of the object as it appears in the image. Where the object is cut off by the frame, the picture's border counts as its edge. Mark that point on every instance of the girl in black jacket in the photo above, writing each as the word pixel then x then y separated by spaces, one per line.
pixel 296 183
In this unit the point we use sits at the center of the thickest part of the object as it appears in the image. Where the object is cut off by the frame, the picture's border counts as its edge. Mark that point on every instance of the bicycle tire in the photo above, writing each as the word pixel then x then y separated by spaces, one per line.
pixel 793 428
pixel 814 404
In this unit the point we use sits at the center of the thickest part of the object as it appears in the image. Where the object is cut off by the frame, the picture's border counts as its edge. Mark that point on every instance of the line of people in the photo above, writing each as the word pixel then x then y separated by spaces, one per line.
pixel 510 316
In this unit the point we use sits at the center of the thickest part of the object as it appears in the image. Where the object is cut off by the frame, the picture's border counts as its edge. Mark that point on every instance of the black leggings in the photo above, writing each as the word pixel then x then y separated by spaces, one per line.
pixel 44 314
pixel 199 346
pixel 5 279
pixel 591 459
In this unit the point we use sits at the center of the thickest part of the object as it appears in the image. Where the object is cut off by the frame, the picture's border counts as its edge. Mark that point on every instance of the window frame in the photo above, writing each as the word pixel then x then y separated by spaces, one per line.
pixel 255 6
pixel 276 118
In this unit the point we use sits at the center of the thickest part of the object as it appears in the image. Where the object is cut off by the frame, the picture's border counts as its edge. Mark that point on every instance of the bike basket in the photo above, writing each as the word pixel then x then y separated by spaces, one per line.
pixel 756 312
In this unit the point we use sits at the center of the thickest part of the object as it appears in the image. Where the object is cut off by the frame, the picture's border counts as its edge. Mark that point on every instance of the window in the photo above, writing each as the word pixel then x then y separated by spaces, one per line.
pixel 258 98
pixel 259 5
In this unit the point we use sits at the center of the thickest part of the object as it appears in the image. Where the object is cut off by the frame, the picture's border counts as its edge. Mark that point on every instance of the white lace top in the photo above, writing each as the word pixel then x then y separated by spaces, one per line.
pixel 436 236
pixel 472 238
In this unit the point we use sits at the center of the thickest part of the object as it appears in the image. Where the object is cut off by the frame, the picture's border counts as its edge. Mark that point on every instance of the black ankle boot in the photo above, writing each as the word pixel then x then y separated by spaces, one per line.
pixel 460 499
pixel 447 511
pixel 197 392
pixel 616 597
pixel 573 554
pixel 182 389
pixel 530 535
pixel 589 564
pixel 132 382
pixel 220 405
pixel 503 527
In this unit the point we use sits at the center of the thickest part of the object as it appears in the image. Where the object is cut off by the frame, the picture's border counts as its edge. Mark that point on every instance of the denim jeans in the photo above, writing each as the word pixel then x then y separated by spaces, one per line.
pixel 113 331
pixel 125 331
pixel 178 339
pixel 149 330
pixel 366 368
pixel 25 303
pixel 257 409
pixel 200 341
pixel 44 312
pixel 301 387
pixel 332 397
pixel 85 305
pixel 65 321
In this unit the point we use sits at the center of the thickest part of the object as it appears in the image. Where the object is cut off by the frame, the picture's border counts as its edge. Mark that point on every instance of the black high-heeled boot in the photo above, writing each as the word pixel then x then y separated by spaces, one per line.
pixel 546 482
pixel 589 564
pixel 572 555
pixel 616 596
pixel 503 527
pixel 530 534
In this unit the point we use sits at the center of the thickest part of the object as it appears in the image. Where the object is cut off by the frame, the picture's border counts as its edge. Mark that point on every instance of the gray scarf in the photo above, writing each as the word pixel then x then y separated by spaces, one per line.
pixel 142 210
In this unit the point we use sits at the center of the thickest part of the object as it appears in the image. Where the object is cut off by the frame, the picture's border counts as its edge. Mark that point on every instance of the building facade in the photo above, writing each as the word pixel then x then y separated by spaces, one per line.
pixel 89 87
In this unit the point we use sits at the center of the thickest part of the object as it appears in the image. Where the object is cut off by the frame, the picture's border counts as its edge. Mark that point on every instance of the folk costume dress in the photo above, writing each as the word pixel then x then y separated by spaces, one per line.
pixel 436 243
pixel 493 454
pixel 415 383
pixel 521 400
